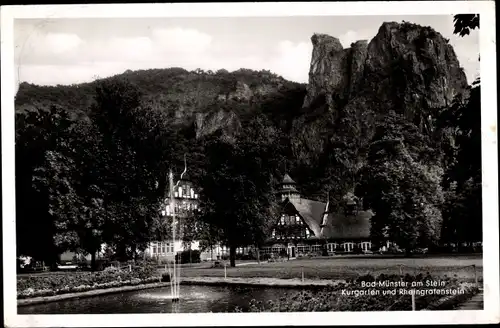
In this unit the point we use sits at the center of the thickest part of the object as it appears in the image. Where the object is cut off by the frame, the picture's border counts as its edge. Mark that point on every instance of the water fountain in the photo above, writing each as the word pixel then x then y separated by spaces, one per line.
pixel 176 268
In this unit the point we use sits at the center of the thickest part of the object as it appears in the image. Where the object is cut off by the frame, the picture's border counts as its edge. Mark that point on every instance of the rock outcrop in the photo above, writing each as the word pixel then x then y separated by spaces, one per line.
pixel 406 68
pixel 334 70
pixel 209 122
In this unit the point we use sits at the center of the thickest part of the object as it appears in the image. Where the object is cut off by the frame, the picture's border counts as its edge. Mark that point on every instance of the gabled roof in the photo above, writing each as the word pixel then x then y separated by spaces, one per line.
pixel 340 226
pixel 336 225
pixel 311 211
pixel 288 180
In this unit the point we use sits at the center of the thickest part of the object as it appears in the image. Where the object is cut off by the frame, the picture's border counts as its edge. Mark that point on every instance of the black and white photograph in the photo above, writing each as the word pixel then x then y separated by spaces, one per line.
pixel 249 160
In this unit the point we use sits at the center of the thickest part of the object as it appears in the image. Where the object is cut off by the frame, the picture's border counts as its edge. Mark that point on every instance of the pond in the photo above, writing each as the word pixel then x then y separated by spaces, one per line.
pixel 194 299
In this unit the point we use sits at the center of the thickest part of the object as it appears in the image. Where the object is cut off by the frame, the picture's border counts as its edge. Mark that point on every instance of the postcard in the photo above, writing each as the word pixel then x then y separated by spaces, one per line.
pixel 249 164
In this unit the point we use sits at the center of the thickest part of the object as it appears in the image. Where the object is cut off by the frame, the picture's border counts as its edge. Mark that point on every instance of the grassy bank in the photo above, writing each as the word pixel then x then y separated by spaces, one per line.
pixel 348 268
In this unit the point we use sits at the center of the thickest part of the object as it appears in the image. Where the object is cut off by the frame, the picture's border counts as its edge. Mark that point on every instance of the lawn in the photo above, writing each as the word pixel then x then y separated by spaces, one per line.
pixel 344 268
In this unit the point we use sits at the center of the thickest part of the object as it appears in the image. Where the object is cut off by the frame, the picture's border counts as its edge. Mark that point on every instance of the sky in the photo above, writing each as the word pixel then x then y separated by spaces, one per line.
pixel 76 50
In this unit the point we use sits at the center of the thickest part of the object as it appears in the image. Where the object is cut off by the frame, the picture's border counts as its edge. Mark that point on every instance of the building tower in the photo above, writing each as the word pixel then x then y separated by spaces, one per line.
pixel 288 189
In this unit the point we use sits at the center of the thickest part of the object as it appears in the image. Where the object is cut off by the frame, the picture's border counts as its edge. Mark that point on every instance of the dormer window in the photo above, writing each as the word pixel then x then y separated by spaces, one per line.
pixel 307 233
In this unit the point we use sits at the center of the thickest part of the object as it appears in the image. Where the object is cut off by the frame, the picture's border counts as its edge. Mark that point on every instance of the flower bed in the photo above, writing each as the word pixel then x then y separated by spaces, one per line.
pixel 342 297
pixel 49 285
pixel 453 301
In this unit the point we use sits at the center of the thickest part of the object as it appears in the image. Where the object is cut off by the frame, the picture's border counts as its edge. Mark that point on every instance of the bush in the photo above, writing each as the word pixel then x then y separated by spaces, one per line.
pixel 331 298
pixel 246 257
pixel 101 264
pixel 265 257
pixel 324 252
pixel 165 277
pixel 357 250
pixel 188 256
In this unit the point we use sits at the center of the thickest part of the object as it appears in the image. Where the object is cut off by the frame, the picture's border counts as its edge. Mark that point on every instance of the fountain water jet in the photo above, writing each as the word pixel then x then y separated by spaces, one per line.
pixel 176 270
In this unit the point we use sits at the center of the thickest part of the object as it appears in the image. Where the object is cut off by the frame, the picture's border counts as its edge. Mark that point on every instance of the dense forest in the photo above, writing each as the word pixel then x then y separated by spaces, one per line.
pixel 92 160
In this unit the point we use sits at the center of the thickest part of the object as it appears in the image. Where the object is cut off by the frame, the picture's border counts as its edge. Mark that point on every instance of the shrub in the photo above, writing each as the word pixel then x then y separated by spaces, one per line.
pixel 331 298
pixel 31 286
pixel 265 257
pixel 188 256
pixel 112 269
pixel 357 250
pixel 165 277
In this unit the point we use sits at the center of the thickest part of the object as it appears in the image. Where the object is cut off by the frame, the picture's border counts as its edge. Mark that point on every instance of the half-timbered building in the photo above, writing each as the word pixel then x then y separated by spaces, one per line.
pixel 308 227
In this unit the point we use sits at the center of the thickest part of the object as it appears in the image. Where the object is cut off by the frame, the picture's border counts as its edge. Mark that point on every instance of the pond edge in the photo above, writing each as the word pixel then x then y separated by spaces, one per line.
pixel 207 281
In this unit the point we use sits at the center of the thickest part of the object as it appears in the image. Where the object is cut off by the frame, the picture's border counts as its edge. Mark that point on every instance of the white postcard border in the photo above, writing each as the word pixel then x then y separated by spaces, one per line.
pixel 490 314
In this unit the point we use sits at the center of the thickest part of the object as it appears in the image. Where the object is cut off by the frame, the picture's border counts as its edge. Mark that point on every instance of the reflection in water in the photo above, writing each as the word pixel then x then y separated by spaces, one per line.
pixel 194 299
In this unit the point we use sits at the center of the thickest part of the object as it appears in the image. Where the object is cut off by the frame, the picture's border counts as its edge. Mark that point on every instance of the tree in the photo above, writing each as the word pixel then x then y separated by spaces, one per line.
pixel 133 163
pixel 238 195
pixel 463 206
pixel 38 132
pixel 105 180
pixel 403 191
pixel 462 180
pixel 463 23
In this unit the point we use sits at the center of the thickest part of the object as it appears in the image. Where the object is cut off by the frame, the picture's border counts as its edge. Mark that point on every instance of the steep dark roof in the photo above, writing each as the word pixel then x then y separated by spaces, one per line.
pixel 338 225
pixel 311 211
pixel 288 180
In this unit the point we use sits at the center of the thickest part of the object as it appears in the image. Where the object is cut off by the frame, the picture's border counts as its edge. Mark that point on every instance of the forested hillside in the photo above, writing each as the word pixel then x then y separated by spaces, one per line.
pixel 393 121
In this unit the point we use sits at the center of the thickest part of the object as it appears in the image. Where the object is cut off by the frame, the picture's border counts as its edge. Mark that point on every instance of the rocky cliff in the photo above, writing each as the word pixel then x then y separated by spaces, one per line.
pixel 406 68
pixel 412 62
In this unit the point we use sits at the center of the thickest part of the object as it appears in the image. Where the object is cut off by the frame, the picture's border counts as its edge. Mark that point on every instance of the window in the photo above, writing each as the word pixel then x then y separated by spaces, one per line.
pixel 154 249
pixel 192 193
pixel 348 247
pixel 163 251
pixel 266 250
pixel 274 234
pixel 180 192
pixel 302 249
pixel 282 220
pixel 307 233
pixel 297 219
pixel 316 248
